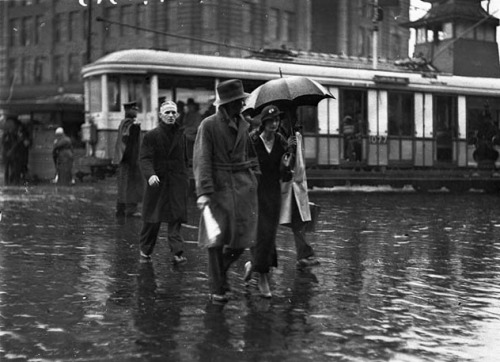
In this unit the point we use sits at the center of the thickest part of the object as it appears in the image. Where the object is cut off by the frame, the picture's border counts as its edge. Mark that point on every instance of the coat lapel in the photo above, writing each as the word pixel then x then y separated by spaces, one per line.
pixel 241 131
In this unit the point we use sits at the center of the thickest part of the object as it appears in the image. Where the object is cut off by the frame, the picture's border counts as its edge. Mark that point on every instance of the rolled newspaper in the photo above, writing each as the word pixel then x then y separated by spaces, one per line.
pixel 211 225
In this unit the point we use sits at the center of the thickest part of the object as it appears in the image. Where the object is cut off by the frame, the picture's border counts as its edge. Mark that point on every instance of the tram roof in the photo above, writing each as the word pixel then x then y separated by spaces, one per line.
pixel 327 69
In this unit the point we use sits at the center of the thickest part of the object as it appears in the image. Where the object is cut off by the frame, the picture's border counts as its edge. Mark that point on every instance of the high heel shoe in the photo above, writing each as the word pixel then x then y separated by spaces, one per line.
pixel 248 272
pixel 264 289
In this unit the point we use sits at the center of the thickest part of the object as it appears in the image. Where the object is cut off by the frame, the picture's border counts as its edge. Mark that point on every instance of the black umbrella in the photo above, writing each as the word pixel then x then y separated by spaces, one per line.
pixel 287 93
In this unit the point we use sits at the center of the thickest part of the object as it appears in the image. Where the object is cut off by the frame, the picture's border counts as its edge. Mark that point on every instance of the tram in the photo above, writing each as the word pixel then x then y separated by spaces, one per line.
pixel 386 126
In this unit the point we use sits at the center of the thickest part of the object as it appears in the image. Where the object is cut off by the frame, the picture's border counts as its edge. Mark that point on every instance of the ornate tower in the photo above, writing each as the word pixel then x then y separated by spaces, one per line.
pixel 458 37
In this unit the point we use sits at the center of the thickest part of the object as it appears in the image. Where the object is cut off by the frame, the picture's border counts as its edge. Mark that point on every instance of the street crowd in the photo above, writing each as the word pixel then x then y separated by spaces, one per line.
pixel 248 180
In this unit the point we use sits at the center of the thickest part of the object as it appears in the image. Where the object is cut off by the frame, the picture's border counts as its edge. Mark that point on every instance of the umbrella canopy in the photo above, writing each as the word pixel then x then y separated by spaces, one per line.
pixel 288 92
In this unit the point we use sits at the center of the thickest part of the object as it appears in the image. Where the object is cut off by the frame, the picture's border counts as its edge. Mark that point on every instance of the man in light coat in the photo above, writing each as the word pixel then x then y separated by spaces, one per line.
pixel 163 163
pixel 224 166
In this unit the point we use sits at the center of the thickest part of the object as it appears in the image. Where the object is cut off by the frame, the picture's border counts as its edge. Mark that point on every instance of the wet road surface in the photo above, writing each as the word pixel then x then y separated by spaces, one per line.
pixel 403 277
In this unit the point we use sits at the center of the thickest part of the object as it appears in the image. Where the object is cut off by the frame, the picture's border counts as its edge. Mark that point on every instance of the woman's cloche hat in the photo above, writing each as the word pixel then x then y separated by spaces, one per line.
pixel 230 90
pixel 270 112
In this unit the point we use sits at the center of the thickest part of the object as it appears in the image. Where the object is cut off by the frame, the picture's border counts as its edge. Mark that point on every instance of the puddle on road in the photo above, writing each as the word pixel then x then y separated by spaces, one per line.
pixel 402 278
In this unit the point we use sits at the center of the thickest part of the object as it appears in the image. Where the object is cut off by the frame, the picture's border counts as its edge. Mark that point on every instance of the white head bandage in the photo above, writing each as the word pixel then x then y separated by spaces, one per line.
pixel 168 106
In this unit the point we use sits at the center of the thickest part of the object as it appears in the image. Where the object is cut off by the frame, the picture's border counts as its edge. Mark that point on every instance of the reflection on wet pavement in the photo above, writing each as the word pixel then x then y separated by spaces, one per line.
pixel 403 277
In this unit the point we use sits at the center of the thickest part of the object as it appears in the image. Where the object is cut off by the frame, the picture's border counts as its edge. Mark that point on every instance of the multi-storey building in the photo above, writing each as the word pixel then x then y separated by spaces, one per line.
pixel 44 43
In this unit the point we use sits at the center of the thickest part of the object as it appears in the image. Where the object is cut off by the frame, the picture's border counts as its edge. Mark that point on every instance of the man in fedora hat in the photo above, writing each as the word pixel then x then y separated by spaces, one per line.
pixel 130 182
pixel 224 166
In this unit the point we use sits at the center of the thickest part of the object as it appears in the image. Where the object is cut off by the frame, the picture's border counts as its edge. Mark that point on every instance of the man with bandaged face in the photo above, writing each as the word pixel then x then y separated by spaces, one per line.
pixel 164 163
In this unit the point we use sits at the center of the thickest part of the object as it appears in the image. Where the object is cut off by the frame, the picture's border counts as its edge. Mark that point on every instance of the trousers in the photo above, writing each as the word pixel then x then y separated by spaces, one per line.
pixel 149 236
pixel 219 261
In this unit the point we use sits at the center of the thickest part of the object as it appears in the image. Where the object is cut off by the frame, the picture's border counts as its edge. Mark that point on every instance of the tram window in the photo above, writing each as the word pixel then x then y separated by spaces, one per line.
pixel 114 94
pixel 308 118
pixel 400 114
pixel 95 94
pixel 353 110
pixel 135 90
pixel 483 119
pixel 202 100
pixel 445 126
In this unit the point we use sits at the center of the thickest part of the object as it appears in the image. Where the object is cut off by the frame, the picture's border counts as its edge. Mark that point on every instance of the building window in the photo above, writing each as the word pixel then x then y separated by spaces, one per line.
pixel 395 47
pixel 27 71
pixel 247 20
pixel 39 24
pixel 273 21
pixel 111 13
pixel 73 25
pixel 15 32
pixel 288 26
pixel 209 16
pixel 361 42
pixel 74 67
pixel 126 17
pixel 15 70
pixel 40 71
pixel 58 28
pixel 58 69
pixel 141 16
pixel 27 32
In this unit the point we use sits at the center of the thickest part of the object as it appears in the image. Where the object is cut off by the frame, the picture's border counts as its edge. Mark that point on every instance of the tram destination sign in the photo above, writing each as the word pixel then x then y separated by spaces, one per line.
pixel 391 80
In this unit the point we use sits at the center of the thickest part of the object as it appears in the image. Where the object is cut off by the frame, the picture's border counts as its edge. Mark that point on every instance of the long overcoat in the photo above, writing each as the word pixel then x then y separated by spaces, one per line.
pixel 163 153
pixel 224 166
pixel 130 180
pixel 295 190
pixel 62 153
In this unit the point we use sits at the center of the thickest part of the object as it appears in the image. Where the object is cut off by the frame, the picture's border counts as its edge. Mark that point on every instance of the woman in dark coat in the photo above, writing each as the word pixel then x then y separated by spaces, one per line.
pixel 270 147
pixel 163 163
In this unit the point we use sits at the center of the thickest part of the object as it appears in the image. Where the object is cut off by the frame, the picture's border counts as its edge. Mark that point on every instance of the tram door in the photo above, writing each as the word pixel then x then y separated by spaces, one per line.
pixel 445 128
pixel 353 125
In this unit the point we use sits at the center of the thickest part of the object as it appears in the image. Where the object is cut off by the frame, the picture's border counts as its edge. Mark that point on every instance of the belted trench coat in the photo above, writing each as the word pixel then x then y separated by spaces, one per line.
pixel 295 190
pixel 224 166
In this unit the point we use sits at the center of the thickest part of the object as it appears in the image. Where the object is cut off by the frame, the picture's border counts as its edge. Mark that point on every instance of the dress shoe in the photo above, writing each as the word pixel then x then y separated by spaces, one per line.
pixel 179 259
pixel 218 298
pixel 144 258
pixel 307 262
pixel 134 214
pixel 264 289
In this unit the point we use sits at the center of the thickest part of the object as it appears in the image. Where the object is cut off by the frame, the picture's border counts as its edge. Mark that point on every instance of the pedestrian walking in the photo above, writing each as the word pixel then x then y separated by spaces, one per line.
pixel 270 146
pixel 164 165
pixel 224 168
pixel 192 120
pixel 11 152
pixel 130 182
pixel 62 154
pixel 295 210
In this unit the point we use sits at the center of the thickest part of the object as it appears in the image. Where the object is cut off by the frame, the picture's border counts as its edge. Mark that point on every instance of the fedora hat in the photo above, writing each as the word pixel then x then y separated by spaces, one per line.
pixel 230 90
pixel 130 105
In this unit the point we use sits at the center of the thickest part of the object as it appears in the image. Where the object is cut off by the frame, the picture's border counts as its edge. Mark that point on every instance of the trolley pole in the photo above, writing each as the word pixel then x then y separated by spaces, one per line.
pixel 89 33
pixel 375 20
